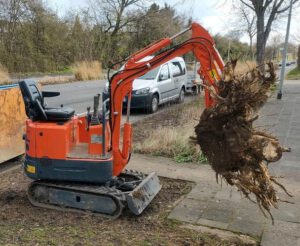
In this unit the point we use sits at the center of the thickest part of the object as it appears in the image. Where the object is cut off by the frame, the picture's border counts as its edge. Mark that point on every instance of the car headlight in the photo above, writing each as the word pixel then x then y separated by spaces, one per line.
pixel 105 90
pixel 142 91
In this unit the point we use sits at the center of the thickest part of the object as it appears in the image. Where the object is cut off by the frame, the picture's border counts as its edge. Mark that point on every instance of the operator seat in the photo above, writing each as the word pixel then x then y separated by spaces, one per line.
pixel 35 107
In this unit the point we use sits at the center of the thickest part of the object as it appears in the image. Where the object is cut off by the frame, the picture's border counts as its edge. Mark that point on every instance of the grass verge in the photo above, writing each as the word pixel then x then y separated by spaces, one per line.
pixel 84 70
pixel 87 70
pixel 48 80
pixel 294 74
pixel 168 133
pixel 4 76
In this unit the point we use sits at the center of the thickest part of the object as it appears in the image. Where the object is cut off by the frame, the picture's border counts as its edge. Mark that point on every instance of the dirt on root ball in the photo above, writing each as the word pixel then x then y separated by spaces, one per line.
pixel 238 152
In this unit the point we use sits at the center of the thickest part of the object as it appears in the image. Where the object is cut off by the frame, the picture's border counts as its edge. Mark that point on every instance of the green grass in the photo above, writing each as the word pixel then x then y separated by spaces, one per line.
pixel 294 74
pixel 190 154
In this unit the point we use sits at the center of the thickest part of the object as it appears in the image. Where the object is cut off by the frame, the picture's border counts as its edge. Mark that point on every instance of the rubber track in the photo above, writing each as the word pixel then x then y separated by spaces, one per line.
pixel 117 196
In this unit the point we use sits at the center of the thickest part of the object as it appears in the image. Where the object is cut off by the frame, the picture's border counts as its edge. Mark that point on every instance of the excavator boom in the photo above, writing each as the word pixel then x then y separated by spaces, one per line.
pixel 203 47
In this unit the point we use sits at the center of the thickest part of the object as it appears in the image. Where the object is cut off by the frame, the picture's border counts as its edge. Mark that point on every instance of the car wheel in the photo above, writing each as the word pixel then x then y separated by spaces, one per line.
pixel 181 96
pixel 153 107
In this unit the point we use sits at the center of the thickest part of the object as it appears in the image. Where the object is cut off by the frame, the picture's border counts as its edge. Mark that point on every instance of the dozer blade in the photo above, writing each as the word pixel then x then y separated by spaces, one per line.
pixel 143 194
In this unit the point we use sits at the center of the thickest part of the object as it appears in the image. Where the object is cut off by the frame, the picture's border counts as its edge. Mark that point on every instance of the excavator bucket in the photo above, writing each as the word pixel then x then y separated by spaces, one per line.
pixel 12 118
pixel 143 194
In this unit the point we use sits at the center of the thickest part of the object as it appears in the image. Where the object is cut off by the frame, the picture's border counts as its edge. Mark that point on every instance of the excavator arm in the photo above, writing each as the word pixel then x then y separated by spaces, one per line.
pixel 203 47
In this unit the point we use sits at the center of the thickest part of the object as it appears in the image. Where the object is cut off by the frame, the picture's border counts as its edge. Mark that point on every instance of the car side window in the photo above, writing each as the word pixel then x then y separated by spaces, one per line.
pixel 164 73
pixel 183 67
pixel 177 69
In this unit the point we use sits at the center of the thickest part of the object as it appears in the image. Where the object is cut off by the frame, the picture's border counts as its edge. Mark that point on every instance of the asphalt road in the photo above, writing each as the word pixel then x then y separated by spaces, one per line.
pixel 79 95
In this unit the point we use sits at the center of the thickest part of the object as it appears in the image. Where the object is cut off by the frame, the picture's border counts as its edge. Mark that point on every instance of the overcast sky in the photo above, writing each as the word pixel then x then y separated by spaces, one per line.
pixel 214 15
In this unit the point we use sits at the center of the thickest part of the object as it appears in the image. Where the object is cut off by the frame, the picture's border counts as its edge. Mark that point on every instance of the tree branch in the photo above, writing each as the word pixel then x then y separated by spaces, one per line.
pixel 268 2
pixel 248 5
pixel 285 8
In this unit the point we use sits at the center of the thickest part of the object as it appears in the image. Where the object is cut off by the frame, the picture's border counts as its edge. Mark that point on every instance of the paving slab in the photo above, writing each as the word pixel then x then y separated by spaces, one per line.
pixel 220 210
pixel 213 223
pixel 250 227
pixel 281 233
pixel 188 210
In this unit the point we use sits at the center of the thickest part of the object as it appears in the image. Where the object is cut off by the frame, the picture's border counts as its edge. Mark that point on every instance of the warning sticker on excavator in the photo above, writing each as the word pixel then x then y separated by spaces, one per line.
pixel 213 73
pixel 30 169
pixel 96 139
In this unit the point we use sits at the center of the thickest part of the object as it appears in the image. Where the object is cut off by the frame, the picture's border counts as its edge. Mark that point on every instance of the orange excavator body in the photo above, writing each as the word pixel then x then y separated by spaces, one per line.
pixel 77 161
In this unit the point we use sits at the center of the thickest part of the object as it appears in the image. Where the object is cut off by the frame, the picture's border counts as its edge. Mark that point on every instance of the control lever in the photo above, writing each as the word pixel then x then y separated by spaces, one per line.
pixel 88 118
pixel 95 117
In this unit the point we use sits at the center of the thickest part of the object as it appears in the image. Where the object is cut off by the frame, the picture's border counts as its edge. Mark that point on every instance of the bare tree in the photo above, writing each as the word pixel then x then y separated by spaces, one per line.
pixel 266 12
pixel 11 12
pixel 249 21
pixel 273 48
pixel 112 16
pixel 114 13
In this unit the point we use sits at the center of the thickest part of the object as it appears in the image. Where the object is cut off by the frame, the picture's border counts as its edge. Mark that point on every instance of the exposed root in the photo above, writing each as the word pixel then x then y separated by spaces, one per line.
pixel 237 151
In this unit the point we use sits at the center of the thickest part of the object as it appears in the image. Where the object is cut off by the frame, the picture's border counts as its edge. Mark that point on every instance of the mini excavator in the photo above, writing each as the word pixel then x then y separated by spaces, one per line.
pixel 78 162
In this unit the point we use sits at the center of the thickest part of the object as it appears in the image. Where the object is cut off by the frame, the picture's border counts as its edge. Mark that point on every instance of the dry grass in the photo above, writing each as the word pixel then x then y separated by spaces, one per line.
pixel 87 70
pixel 4 76
pixel 47 80
pixel 244 66
pixel 171 138
pixel 169 142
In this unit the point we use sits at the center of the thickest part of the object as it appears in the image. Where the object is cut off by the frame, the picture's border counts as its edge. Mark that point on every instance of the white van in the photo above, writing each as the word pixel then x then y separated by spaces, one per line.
pixel 163 84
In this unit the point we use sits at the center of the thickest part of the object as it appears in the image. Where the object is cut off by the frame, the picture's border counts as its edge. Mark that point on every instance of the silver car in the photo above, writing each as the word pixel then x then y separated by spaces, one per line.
pixel 163 84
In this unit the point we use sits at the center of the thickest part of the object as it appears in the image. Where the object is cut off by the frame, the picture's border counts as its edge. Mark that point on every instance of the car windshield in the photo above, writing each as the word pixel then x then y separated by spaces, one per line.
pixel 151 74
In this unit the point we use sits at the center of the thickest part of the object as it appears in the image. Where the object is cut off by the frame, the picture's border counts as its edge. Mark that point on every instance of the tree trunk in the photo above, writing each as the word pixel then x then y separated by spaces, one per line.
pixel 260 44
pixel 251 47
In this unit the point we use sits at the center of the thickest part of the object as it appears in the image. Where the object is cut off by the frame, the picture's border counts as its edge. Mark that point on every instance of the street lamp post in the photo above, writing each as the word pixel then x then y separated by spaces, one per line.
pixel 279 94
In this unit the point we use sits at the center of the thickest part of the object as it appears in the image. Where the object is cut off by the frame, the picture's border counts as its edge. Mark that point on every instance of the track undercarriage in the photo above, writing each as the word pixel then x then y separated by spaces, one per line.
pixel 130 189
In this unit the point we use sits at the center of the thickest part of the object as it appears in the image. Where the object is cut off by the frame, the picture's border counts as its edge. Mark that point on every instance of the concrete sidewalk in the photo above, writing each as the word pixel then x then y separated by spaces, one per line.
pixel 220 206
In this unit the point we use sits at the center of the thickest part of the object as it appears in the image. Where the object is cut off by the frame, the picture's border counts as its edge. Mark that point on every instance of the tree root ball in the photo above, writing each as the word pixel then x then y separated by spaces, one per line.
pixel 238 152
